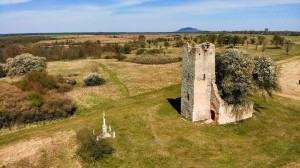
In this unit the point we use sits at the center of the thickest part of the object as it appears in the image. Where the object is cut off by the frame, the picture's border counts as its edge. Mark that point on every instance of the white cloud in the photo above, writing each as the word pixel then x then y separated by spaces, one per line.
pixel 6 2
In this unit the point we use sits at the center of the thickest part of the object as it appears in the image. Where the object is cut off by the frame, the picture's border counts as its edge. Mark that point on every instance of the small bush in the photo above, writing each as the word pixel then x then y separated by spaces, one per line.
pixel 120 57
pixel 60 78
pixel 91 150
pixel 36 99
pixel 38 82
pixel 71 82
pixel 24 63
pixel 140 51
pixel 57 105
pixel 93 79
pixel 64 87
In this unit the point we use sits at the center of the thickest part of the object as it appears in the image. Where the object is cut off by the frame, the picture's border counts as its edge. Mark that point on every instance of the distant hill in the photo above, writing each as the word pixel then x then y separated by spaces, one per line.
pixel 188 29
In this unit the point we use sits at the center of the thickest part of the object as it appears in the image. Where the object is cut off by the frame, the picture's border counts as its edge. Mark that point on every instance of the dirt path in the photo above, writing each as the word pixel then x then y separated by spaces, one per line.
pixel 289 77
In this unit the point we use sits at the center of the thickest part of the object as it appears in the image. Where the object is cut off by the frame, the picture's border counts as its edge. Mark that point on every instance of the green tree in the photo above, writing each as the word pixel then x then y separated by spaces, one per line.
pixel 127 48
pixel 235 40
pixel 264 46
pixel 212 38
pixel 277 40
pixel 252 40
pixel 261 39
pixel 166 44
pixel 220 40
pixel 143 44
pixel 245 38
pixel 288 46
pixel 142 38
pixel 266 32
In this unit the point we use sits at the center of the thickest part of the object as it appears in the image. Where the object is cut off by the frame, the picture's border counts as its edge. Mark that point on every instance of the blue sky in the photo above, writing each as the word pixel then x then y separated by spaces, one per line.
pixel 40 16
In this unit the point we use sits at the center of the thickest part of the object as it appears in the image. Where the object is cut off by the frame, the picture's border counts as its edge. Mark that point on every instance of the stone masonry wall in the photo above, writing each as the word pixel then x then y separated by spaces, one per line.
pixel 188 75
pixel 204 76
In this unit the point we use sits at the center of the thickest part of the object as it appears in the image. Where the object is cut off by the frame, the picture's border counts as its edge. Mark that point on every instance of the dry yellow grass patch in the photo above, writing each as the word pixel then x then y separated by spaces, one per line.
pixel 144 78
pixel 137 78
pixel 56 150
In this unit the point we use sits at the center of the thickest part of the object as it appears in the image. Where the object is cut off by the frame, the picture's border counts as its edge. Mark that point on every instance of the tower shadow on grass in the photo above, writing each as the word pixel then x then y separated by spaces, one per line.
pixel 176 104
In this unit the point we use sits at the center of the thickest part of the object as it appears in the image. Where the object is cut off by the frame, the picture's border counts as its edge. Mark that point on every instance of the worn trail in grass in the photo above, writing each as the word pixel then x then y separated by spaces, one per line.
pixel 113 76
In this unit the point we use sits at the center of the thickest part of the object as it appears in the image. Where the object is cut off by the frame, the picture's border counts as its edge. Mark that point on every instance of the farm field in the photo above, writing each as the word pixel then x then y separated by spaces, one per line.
pixel 141 103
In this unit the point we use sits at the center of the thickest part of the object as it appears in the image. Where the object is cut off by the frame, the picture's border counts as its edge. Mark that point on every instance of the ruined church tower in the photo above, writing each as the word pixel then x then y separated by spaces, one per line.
pixel 198 75
pixel 200 99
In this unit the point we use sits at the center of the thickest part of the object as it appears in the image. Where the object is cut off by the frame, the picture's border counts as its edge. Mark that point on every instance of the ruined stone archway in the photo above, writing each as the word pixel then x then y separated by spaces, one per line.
pixel 214 115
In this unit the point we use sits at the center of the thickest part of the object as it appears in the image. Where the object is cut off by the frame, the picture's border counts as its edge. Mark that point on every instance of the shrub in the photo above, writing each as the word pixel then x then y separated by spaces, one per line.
pixel 92 79
pixel 140 51
pixel 60 78
pixel 24 63
pixel 90 149
pixel 38 82
pixel 120 57
pixel 71 81
pixel 3 72
pixel 57 105
pixel 36 99
pixel 64 87
pixel 18 107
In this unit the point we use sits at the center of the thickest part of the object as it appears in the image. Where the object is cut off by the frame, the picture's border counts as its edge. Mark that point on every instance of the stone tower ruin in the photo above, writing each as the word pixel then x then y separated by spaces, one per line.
pixel 200 99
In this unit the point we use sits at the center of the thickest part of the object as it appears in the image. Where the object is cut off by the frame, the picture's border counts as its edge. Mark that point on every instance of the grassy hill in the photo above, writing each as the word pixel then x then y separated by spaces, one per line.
pixel 151 133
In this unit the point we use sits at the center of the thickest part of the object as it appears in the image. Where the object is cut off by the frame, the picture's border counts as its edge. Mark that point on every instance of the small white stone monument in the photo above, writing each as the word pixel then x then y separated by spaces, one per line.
pixel 105 133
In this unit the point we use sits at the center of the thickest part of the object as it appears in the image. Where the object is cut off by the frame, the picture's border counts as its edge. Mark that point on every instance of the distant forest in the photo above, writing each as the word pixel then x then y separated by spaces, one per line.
pixel 283 33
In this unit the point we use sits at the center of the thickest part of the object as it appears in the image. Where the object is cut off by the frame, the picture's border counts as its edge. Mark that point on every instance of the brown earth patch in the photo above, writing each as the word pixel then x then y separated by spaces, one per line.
pixel 289 78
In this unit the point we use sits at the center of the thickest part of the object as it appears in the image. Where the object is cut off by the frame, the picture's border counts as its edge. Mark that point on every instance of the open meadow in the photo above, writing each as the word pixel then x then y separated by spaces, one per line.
pixel 141 100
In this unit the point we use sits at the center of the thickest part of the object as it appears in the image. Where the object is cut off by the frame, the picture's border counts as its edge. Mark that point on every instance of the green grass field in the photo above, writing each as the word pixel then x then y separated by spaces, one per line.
pixel 140 103
pixel 151 133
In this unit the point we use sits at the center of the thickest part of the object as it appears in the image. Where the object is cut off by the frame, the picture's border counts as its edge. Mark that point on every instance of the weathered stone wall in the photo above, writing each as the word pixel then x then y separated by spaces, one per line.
pixel 227 113
pixel 187 87
pixel 198 71
pixel 204 76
